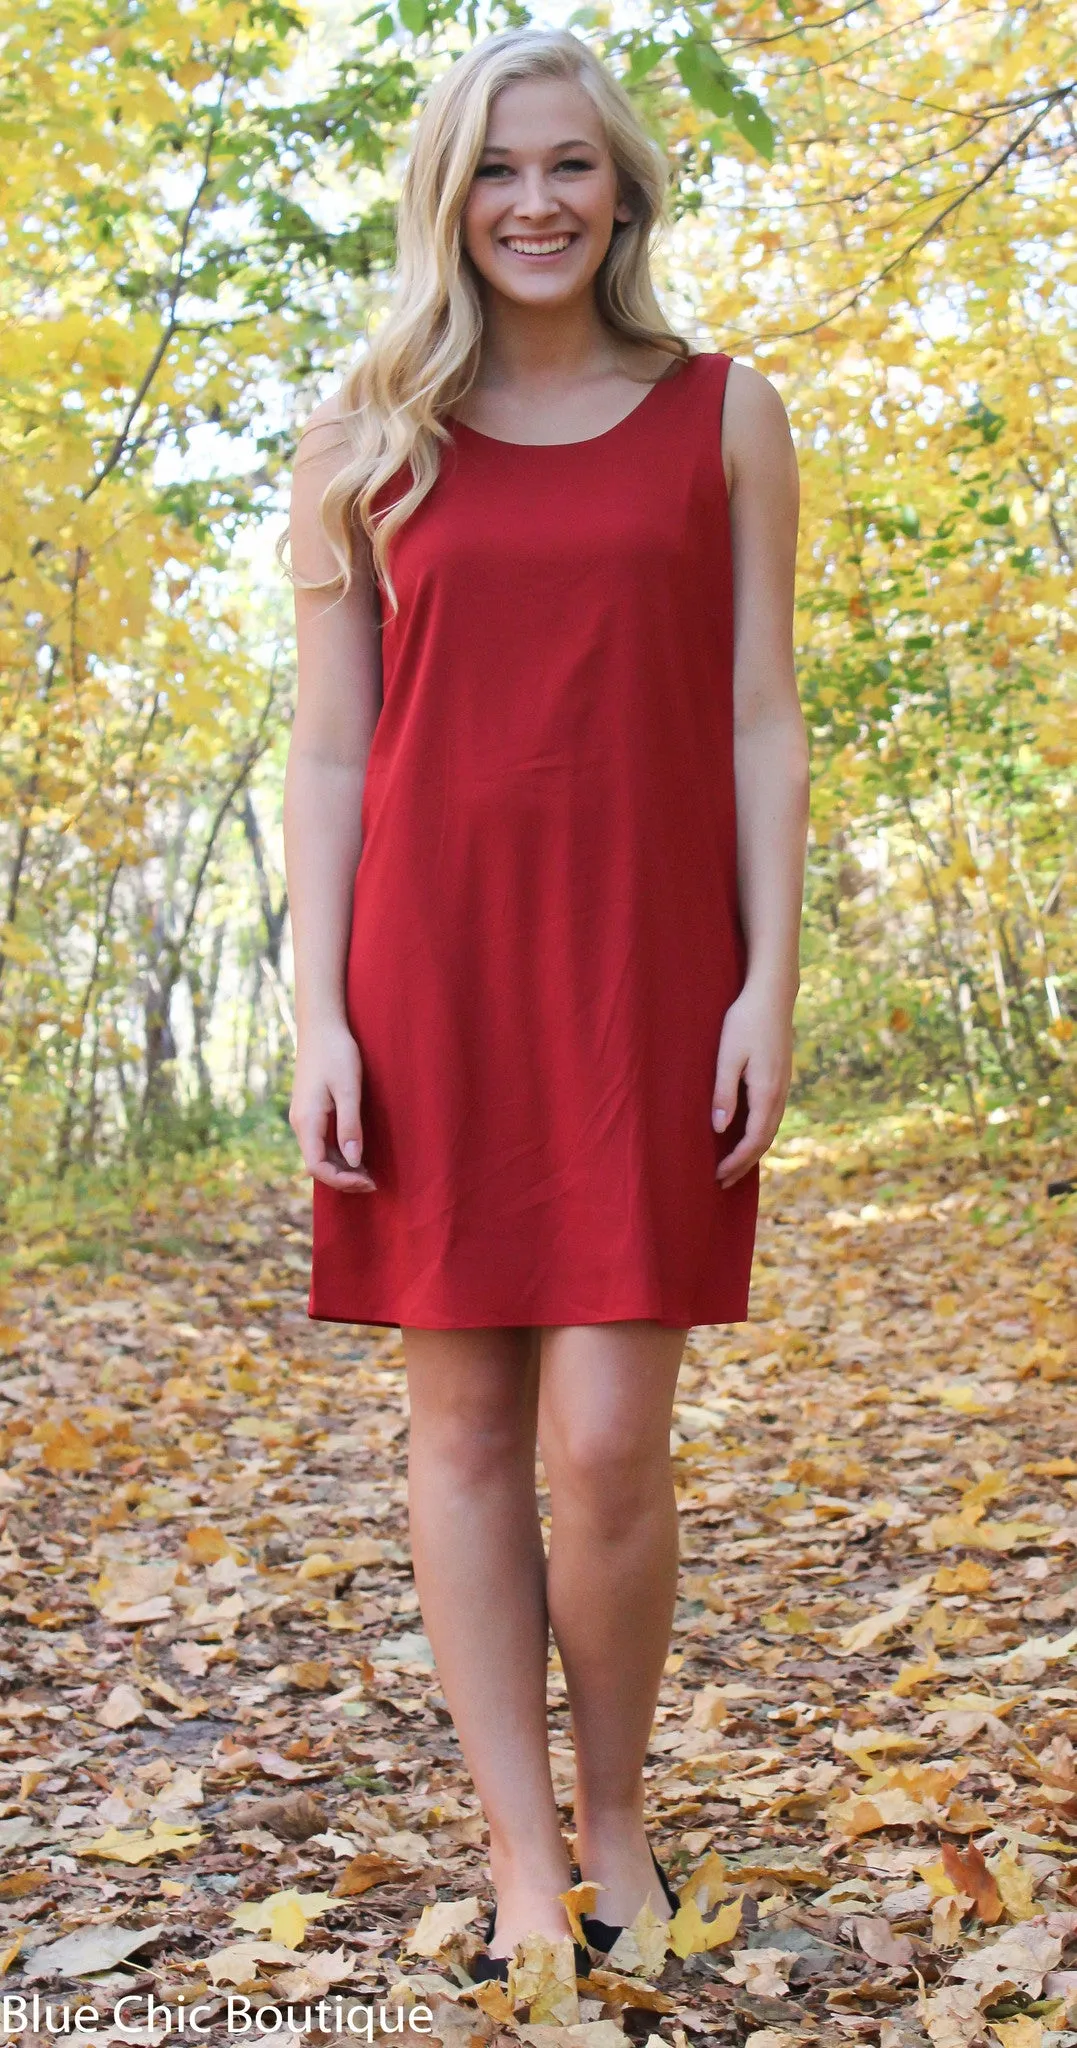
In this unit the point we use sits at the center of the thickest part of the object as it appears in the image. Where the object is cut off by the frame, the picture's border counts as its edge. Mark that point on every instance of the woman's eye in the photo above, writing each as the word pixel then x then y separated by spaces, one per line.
pixel 567 163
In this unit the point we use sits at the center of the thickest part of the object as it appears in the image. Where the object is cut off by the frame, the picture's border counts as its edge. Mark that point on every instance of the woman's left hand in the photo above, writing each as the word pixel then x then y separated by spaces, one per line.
pixel 756 1044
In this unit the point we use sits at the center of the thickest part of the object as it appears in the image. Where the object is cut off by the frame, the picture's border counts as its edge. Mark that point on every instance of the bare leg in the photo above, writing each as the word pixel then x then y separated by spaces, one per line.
pixel 605 1402
pixel 480 1573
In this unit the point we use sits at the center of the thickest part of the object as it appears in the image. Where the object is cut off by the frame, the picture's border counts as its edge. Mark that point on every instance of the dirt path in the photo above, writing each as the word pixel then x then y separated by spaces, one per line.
pixel 218 1692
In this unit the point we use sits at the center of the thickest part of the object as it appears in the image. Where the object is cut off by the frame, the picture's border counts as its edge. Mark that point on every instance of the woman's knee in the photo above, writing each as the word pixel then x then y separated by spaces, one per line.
pixel 472 1403
pixel 609 1473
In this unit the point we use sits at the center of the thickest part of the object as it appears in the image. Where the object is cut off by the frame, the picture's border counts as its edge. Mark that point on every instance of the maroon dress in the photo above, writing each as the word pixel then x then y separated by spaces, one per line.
pixel 545 934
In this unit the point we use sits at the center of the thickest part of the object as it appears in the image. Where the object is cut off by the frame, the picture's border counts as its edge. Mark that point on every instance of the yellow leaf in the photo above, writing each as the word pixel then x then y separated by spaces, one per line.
pixel 691 1935
pixel 966 1577
pixel 941 1886
pixel 1015 1882
pixel 66 1449
pixel 863 1744
pixel 492 1998
pixel 283 1915
pixel 287 1922
pixel 543 1973
pixel 319 1566
pixel 580 1898
pixel 207 1544
pixel 876 1627
pixel 912 1675
pixel 437 1922
pixel 9 1953
pixel 892 1809
pixel 990 1487
pixel 1025 2032
pixel 964 1400
pixel 140 1847
pixel 707 1884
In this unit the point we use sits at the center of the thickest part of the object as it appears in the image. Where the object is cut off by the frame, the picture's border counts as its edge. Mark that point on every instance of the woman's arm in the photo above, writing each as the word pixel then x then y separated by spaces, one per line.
pixel 770 763
pixel 339 698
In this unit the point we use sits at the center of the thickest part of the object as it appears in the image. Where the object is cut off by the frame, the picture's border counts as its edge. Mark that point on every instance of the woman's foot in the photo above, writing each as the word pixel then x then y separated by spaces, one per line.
pixel 616 1854
pixel 524 1907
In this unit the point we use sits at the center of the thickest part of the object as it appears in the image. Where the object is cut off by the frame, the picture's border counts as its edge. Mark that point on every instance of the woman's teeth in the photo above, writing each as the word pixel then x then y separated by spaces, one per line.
pixel 549 248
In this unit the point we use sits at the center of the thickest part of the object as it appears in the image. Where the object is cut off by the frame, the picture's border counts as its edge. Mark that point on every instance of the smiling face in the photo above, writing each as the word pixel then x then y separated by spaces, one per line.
pixel 541 210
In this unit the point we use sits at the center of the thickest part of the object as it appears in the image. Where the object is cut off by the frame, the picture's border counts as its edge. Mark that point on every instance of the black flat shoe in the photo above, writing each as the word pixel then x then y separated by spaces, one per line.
pixel 601 1934
pixel 485 1967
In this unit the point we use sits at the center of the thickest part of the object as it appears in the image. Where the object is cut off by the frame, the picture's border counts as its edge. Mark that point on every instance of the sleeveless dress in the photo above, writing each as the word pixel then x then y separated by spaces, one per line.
pixel 545 932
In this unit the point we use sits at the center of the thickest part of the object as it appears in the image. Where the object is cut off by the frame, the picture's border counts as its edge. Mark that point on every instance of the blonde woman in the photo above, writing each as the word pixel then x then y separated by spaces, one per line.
pixel 545 818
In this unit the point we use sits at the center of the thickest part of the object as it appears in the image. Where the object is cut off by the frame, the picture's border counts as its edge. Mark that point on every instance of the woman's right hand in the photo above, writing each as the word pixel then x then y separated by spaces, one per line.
pixel 328 1078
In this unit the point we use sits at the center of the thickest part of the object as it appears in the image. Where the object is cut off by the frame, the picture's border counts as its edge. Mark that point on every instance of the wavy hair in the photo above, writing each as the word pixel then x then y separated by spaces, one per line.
pixel 424 355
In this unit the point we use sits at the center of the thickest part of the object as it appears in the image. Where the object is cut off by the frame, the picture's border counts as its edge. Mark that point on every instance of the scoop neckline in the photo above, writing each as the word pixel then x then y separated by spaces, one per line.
pixel 588 440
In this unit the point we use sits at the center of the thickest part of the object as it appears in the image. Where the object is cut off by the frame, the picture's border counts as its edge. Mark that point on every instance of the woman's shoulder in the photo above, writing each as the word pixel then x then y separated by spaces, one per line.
pixel 323 437
pixel 756 434
pixel 325 420
pixel 756 400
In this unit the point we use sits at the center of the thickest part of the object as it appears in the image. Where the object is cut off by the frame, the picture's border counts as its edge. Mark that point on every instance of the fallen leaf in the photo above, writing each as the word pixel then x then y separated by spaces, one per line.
pixel 921 1671
pixel 295 1817
pixel 492 1998
pixel 542 1974
pixel 634 1992
pixel 952 2018
pixel 365 1871
pixel 122 1706
pixel 947 1915
pixel 1019 1957
pixel 141 1846
pixel 878 1940
pixel 709 1709
pixel 580 1898
pixel 310 1675
pixel 762 1971
pixel 438 1922
pixel 640 1949
pixel 88 1950
pixel 11 1950
pixel 875 1628
pixel 318 1974
pixel 969 1873
pixel 1024 2032
pixel 966 1577
pixel 284 1916
pixel 238 1963
pixel 1016 1884
pixel 691 1935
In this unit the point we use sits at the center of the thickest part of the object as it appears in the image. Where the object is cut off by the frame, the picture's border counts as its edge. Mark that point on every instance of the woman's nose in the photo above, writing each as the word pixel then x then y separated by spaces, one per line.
pixel 536 197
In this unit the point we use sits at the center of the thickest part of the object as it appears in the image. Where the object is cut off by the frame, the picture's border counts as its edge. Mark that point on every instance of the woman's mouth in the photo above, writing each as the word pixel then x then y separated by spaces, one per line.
pixel 538 248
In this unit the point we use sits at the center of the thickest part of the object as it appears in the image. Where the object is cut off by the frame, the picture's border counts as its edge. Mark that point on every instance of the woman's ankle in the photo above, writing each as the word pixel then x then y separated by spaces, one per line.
pixel 610 1822
pixel 529 1866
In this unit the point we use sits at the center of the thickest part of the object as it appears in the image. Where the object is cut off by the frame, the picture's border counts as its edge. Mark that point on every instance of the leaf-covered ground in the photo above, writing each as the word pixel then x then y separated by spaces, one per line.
pixel 226 1766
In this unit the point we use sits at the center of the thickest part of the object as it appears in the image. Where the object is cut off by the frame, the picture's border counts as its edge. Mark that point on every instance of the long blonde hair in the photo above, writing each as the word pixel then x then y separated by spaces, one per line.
pixel 424 357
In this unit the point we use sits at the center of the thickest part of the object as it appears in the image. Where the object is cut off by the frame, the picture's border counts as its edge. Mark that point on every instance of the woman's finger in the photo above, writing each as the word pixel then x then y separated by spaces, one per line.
pixel 348 1180
pixel 764 1117
pixel 731 1064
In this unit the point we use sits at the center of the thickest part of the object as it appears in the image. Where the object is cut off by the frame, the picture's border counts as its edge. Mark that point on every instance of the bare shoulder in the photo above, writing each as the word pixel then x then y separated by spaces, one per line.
pixel 756 436
pixel 322 435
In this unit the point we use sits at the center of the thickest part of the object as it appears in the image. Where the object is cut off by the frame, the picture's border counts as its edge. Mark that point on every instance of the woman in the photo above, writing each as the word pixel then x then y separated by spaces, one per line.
pixel 545 1022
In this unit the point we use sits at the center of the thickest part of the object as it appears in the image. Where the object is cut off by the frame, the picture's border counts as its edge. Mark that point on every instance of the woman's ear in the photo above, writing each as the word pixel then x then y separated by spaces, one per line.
pixel 623 211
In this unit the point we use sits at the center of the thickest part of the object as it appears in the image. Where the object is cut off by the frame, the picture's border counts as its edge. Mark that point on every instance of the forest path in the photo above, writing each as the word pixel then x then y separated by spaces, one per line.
pixel 218 1690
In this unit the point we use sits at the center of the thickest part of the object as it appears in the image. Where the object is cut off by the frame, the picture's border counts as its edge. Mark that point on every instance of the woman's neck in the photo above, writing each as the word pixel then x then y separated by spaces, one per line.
pixel 523 346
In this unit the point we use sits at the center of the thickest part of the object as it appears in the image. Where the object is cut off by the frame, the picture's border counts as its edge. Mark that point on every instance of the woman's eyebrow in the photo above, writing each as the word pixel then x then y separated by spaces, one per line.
pixel 574 142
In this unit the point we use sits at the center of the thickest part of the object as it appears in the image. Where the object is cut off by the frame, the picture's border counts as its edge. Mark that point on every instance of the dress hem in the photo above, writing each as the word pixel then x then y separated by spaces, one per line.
pixel 495 1322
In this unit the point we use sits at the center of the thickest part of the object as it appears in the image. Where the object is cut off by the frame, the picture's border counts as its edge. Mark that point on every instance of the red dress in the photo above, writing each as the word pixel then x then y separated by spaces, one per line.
pixel 545 931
